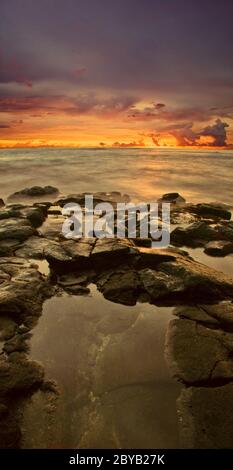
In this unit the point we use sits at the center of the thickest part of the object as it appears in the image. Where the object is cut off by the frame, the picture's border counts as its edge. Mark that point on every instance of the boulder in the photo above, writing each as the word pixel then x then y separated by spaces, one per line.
pixel 22 289
pixel 197 313
pixel 121 285
pixel 35 191
pixel 219 248
pixel 19 229
pixel 172 198
pixel 8 247
pixel 8 213
pixel 19 376
pixel 225 232
pixel 211 210
pixel 35 215
pixel 196 234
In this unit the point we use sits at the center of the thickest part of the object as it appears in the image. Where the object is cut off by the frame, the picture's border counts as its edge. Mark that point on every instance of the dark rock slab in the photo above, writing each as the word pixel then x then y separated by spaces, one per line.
pixel 172 198
pixel 8 213
pixel 197 313
pixel 211 210
pixel 22 289
pixel 19 376
pixel 225 231
pixel 10 433
pixel 34 191
pixel 196 234
pixel 206 420
pixel 121 285
pixel 99 197
pixel 186 279
pixel 16 229
pixel 197 354
pixel 8 328
pixel 221 312
pixel 8 247
pixel 35 215
pixel 219 248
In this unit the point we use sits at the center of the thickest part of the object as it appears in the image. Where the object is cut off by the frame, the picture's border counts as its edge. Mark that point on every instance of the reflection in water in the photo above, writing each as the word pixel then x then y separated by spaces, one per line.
pixel 114 385
pixel 224 265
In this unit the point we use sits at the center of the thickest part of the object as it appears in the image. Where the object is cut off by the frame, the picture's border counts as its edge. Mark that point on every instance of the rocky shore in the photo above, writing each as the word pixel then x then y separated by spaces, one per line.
pixel 199 345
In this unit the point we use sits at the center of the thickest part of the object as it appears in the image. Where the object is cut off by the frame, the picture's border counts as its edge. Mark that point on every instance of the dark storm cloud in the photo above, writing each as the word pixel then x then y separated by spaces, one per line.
pixel 218 132
pixel 168 114
pixel 110 58
pixel 83 104
pixel 186 136
pixel 125 44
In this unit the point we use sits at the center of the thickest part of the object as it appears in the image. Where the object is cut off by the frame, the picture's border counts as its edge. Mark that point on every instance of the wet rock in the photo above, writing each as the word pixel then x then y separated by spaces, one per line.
pixel 194 352
pixel 13 206
pixel 3 410
pixel 219 248
pixel 172 198
pixel 194 235
pixel 35 191
pixel 35 215
pixel 23 329
pixel 179 217
pixel 151 257
pixel 39 248
pixel 72 279
pixel 185 279
pixel 77 289
pixel 197 313
pixel 112 251
pixel 160 285
pixel 205 418
pixel 9 429
pixel 99 197
pixel 221 312
pixel 79 249
pixel 7 214
pixel 18 229
pixel 8 247
pixel 225 232
pixel 24 288
pixel 211 210
pixel 16 343
pixel 54 210
pixel 57 255
pixel 145 242
pixel 7 328
pixel 121 285
pixel 52 227
pixel 19 376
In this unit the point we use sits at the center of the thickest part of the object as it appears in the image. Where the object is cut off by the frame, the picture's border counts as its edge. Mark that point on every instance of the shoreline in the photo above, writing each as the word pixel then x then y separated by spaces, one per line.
pixel 127 272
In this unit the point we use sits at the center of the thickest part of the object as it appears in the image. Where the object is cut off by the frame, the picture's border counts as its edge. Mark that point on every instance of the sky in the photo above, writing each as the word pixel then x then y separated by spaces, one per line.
pixel 121 73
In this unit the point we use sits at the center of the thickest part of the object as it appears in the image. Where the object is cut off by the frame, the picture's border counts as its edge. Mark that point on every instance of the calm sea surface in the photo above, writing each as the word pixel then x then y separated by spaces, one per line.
pixel 145 174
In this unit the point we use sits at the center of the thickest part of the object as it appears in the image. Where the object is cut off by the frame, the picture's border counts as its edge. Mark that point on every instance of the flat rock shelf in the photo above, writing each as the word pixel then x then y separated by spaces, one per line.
pixel 109 342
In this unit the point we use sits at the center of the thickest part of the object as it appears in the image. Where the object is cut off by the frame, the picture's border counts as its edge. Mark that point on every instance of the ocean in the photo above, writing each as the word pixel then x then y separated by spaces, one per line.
pixel 144 174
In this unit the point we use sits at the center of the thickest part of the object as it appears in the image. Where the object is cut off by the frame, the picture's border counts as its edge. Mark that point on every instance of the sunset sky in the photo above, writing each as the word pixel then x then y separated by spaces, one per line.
pixel 116 73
